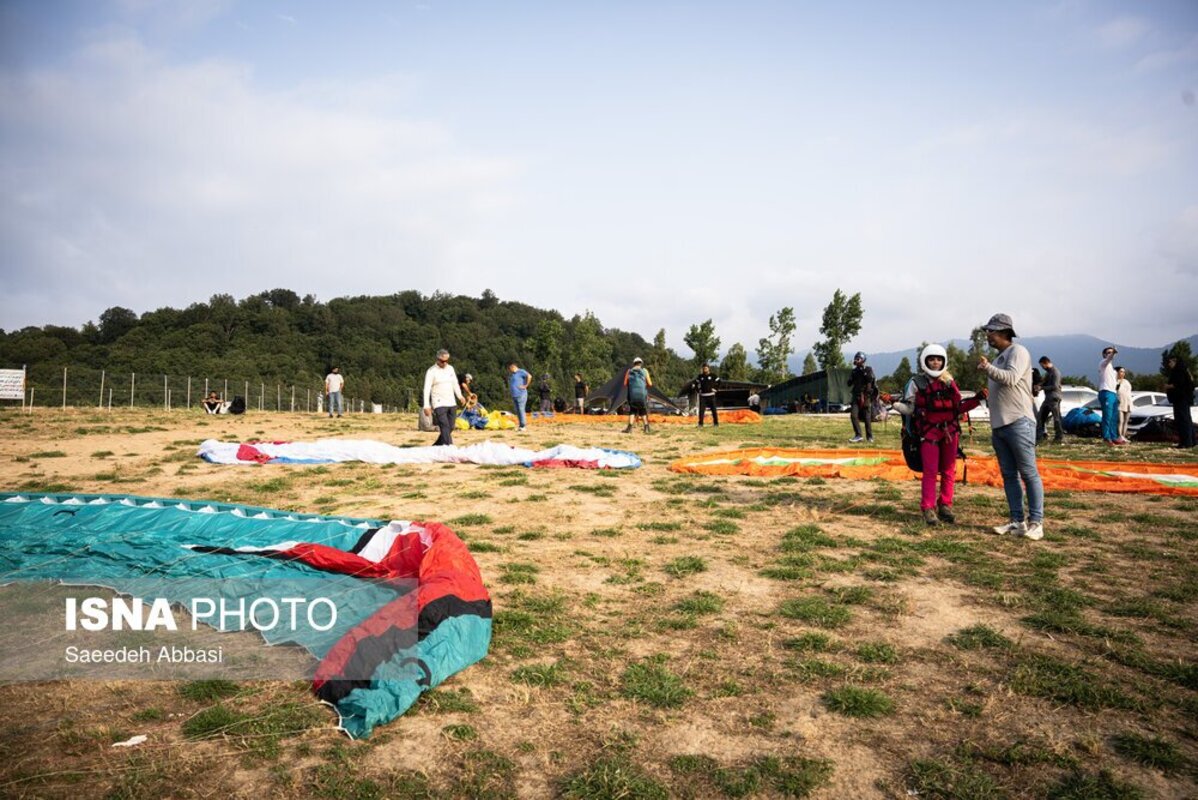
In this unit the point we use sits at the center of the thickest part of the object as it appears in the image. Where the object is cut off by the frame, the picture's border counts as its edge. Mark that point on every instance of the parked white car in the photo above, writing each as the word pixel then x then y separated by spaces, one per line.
pixel 1072 397
pixel 1140 416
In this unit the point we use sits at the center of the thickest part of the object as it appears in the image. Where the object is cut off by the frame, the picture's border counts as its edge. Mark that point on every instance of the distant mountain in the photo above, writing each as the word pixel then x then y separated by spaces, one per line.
pixel 1076 354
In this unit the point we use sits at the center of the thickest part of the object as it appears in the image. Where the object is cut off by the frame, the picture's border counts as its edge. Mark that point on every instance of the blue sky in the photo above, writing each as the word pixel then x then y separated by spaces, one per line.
pixel 657 163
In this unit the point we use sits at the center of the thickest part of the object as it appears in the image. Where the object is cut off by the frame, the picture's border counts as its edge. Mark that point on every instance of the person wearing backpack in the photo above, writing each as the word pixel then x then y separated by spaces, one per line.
pixel 932 407
pixel 637 381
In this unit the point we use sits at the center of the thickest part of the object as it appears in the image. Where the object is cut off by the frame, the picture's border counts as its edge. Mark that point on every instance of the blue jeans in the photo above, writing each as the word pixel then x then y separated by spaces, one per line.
pixel 1015 448
pixel 520 401
pixel 334 403
pixel 1110 415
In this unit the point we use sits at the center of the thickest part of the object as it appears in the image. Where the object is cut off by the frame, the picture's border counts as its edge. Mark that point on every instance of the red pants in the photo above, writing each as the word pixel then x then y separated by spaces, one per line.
pixel 938 457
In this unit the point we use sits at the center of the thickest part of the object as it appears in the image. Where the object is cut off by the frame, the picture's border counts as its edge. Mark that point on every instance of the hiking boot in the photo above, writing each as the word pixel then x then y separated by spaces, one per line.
pixel 945 513
pixel 1012 528
pixel 647 428
pixel 627 429
pixel 1034 531
pixel 929 516
pixel 856 439
pixel 870 440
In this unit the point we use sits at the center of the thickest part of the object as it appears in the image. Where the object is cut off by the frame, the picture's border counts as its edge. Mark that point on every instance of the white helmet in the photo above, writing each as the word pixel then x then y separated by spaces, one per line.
pixel 933 350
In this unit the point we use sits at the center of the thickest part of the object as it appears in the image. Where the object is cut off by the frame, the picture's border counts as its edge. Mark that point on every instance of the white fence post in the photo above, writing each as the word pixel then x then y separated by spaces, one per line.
pixel 132 387
pixel 64 388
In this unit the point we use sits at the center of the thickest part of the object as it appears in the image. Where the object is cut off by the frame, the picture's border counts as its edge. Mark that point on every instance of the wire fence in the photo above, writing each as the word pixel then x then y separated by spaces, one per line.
pixel 83 387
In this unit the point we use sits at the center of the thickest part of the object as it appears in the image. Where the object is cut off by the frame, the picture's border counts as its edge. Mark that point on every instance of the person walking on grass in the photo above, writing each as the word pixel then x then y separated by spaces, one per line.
pixel 932 402
pixel 1013 427
pixel 517 383
pixel 442 393
pixel 864 388
pixel 637 381
pixel 707 384
pixel 334 383
pixel 1050 406
pixel 1108 396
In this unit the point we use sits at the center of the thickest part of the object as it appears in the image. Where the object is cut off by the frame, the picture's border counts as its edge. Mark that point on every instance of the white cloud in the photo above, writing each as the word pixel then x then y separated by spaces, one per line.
pixel 1163 59
pixel 1123 32
pixel 150 183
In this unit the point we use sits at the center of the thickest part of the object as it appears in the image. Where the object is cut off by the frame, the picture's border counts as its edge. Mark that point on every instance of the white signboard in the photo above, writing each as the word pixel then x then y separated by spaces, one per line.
pixel 12 384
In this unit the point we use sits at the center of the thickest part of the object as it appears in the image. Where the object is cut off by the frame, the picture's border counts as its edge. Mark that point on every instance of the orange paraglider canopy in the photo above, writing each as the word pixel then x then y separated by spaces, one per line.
pixel 1058 475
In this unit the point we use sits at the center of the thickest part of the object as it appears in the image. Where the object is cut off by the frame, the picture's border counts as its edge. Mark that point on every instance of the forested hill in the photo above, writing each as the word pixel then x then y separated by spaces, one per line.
pixel 382 344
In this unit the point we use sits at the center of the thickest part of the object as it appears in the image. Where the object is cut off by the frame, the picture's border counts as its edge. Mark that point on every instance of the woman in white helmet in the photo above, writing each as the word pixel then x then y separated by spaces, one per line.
pixel 934 406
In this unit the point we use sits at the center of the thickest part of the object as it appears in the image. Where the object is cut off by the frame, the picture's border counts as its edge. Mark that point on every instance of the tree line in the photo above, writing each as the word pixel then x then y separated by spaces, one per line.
pixel 383 344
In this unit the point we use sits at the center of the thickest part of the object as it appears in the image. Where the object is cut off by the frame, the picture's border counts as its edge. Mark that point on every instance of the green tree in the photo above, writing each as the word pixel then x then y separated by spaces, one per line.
pixel 841 322
pixel 897 380
pixel 1181 350
pixel 590 351
pixel 809 365
pixel 115 323
pixel 659 355
pixel 547 346
pixel 774 350
pixel 735 366
pixel 701 339
pixel 969 376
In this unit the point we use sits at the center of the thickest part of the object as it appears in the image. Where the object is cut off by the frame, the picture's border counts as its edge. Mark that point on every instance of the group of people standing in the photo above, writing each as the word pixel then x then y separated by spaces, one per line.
pixel 933 406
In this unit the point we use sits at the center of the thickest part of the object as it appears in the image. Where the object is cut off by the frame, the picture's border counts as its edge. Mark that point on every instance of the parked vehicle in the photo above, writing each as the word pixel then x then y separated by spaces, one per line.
pixel 1073 397
pixel 1141 415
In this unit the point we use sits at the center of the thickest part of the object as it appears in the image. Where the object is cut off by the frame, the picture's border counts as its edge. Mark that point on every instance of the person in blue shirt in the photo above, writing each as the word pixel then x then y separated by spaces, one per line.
pixel 518 381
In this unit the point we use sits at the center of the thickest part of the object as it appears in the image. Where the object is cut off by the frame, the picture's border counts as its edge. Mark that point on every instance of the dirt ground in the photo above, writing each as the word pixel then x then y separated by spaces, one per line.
pixel 664 635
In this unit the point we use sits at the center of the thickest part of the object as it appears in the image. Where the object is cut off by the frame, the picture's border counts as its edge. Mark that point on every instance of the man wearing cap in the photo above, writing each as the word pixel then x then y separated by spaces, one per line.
pixel 1013 427
pixel 1050 406
pixel 442 393
pixel 1108 384
pixel 637 382
pixel 864 388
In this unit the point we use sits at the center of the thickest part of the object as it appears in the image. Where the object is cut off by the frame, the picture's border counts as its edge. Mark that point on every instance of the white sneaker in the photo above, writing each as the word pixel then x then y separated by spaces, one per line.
pixel 1012 528
pixel 856 439
pixel 1034 531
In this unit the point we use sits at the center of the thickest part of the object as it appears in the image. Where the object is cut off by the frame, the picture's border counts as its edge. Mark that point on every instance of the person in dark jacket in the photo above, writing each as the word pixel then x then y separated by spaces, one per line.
pixel 864 388
pixel 1179 388
pixel 706 384
pixel 580 393
pixel 1050 405
pixel 545 390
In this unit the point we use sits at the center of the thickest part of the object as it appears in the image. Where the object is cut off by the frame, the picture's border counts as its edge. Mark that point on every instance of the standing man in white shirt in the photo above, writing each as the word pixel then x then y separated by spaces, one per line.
pixel 442 393
pixel 1108 384
pixel 334 383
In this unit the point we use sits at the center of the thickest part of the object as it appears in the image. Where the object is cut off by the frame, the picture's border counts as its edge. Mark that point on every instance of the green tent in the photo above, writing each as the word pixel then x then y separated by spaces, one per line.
pixel 829 387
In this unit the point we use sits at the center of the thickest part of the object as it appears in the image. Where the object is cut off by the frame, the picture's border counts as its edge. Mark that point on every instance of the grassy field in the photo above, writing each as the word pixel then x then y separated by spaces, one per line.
pixel 658 635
